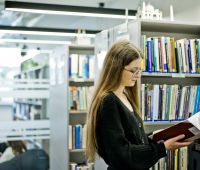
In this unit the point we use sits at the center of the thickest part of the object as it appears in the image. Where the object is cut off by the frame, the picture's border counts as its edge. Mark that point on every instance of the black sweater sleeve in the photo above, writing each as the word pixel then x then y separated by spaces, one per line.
pixel 118 150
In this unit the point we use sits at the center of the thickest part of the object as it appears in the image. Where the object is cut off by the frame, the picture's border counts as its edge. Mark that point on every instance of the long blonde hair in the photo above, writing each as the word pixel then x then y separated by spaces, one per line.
pixel 120 54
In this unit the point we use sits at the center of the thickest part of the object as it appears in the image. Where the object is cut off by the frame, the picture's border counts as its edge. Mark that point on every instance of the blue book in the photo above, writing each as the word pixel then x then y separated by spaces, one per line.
pixel 149 56
pixel 189 56
pixel 197 101
pixel 167 104
pixel 78 142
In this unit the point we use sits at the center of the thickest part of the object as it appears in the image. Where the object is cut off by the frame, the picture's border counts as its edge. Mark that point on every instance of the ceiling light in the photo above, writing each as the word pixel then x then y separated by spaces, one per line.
pixel 45 31
pixel 69 10
pixel 30 41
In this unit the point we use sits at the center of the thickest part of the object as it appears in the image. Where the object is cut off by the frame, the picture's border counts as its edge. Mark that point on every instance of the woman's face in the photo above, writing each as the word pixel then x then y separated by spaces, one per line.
pixel 131 73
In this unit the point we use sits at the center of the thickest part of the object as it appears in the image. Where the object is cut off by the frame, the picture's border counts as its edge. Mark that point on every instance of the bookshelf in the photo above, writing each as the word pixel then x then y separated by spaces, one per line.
pixel 177 30
pixel 71 79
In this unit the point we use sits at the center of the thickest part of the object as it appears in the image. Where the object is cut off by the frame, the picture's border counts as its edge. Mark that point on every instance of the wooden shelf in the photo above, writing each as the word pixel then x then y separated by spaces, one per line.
pixel 76 112
pixel 76 150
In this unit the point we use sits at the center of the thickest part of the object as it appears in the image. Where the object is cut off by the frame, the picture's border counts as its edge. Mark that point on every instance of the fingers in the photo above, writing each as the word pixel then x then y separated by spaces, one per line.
pixel 179 137
pixel 182 144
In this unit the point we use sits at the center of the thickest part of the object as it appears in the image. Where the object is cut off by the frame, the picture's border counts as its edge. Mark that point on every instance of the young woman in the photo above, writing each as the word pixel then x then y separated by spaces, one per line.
pixel 14 148
pixel 114 128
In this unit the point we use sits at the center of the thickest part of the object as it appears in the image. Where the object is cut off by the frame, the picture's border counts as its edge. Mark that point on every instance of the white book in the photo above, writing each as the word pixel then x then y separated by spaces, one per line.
pixel 186 43
pixel 91 67
pixel 84 136
pixel 163 51
pixel 70 137
pixel 192 99
pixel 182 102
pixel 180 59
pixel 193 55
pixel 155 101
pixel 183 55
pixel 164 100
pixel 156 54
pixel 74 65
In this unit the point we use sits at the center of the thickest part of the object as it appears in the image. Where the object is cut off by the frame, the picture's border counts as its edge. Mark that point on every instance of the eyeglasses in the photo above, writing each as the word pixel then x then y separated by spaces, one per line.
pixel 134 71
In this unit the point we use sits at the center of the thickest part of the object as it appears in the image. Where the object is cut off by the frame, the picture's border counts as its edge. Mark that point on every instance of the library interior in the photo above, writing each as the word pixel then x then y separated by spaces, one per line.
pixel 99 85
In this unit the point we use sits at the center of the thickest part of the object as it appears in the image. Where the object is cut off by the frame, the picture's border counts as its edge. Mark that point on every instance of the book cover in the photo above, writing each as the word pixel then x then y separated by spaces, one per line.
pixel 190 128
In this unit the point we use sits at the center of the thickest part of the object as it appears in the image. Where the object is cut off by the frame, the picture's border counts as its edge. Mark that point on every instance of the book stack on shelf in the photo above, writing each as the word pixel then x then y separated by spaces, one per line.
pixel 165 54
pixel 175 160
pixel 77 137
pixel 169 102
pixel 81 82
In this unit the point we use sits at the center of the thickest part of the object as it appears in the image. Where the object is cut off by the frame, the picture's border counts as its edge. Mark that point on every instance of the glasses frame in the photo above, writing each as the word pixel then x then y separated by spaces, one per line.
pixel 134 72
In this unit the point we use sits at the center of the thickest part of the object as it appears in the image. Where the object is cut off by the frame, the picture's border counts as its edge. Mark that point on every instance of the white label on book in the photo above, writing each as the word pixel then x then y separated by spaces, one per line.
pixel 194 130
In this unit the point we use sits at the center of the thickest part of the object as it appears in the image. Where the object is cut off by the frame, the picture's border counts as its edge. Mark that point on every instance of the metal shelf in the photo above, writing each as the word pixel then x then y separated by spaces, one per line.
pixel 81 82
pixel 170 26
pixel 161 123
pixel 171 75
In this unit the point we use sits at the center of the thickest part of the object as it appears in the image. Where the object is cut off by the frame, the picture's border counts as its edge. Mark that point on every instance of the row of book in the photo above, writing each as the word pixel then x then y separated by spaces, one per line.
pixel 77 136
pixel 81 66
pixel 164 54
pixel 175 160
pixel 169 102
pixel 76 166
pixel 35 73
pixel 26 111
pixel 79 97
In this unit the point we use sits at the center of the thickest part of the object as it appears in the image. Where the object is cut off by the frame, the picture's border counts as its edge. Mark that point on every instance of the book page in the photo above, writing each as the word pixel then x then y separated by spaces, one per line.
pixel 195 120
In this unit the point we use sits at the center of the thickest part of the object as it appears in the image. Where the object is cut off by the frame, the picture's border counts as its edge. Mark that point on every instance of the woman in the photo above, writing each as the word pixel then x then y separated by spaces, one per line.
pixel 114 128
pixel 14 148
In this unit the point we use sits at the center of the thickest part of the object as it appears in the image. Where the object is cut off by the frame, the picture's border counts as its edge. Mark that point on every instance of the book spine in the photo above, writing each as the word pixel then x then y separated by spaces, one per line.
pixel 149 56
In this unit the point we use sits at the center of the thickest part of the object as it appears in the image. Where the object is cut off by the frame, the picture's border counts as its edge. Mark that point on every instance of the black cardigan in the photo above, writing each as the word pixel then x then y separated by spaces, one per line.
pixel 121 139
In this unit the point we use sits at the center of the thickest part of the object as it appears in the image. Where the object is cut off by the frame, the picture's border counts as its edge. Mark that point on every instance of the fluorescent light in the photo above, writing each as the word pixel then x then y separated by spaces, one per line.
pixel 72 13
pixel 45 33
pixel 33 41
pixel 56 9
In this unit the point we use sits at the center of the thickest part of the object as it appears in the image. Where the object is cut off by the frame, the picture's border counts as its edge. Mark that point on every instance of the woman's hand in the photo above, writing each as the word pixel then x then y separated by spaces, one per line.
pixel 173 143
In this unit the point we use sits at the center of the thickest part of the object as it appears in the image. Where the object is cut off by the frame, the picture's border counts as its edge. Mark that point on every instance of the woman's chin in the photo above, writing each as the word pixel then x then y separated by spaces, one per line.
pixel 132 83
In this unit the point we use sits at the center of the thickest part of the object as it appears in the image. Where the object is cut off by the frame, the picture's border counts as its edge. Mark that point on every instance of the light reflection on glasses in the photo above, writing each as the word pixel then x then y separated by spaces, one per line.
pixel 134 71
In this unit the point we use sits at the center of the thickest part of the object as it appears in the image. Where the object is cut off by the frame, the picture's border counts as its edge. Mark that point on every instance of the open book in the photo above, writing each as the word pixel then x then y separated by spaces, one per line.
pixel 190 128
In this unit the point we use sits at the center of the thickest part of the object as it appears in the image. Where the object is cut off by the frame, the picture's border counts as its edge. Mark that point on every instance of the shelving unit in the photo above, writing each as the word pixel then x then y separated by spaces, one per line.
pixel 66 81
pixel 177 30
pixel 39 104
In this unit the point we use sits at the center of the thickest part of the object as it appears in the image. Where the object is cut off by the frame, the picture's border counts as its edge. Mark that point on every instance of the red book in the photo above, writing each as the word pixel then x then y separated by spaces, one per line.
pixel 190 128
